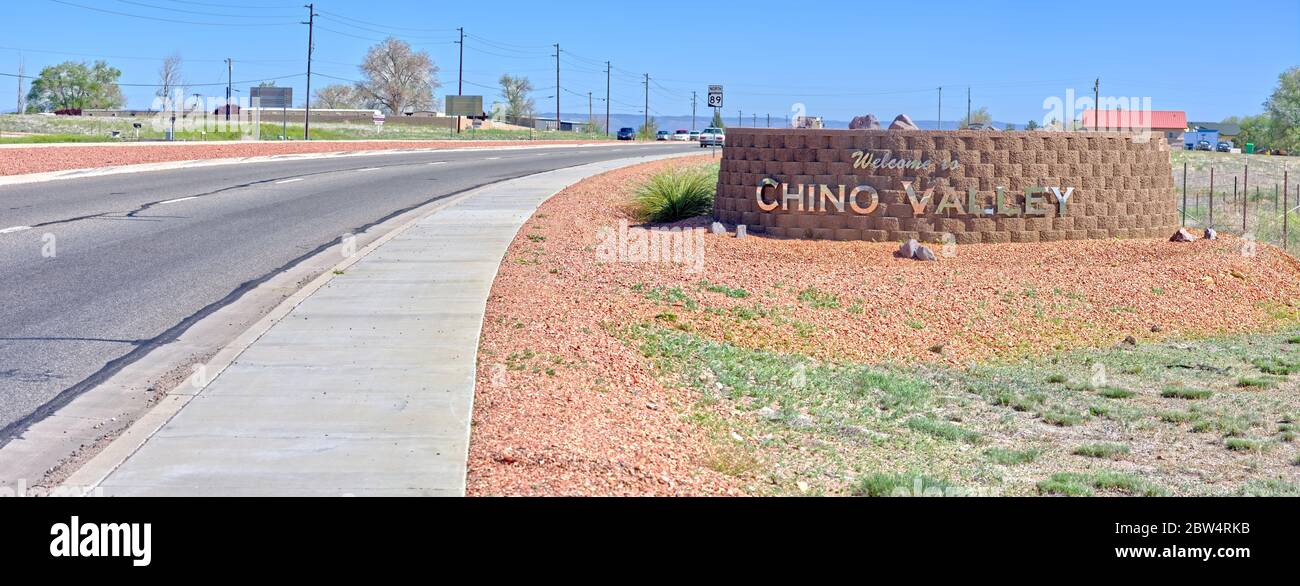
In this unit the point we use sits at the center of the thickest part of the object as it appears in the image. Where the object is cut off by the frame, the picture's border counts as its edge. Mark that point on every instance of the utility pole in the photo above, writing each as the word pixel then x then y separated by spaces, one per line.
pixel 230 73
pixel 21 107
pixel 311 29
pixel 1096 103
pixel 740 118
pixel 557 86
pixel 647 106
pixel 755 124
pixel 692 111
pixel 591 115
pixel 608 67
pixel 940 107
pixel 769 120
pixel 968 120
pixel 460 73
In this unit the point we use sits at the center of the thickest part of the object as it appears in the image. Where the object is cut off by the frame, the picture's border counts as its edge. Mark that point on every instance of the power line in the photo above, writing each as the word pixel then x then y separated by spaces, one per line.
pixel 171 20
pixel 385 26
pixel 192 85
pixel 201 13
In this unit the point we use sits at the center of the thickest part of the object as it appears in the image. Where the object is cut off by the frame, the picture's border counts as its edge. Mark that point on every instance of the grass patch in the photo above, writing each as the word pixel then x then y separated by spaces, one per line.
pixel 732 292
pixel 1178 392
pixel 1056 379
pixel 677 194
pixel 1241 444
pixel 1061 417
pixel 818 299
pixel 1276 366
pixel 1084 483
pixel 944 430
pixel 895 391
pixel 1102 450
pixel 1176 416
pixel 879 485
pixel 1269 487
pixel 1247 382
pixel 1012 457
pixel 1115 393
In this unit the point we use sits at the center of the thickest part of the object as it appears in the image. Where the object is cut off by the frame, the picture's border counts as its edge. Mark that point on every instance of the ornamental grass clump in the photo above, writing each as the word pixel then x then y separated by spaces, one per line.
pixel 677 194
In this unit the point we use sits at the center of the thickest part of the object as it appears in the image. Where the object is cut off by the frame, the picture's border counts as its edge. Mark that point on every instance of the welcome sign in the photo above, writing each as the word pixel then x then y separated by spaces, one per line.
pixel 865 199
pixel 975 186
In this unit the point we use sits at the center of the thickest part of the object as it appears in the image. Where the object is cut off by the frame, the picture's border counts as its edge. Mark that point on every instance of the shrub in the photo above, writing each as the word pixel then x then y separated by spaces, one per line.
pixel 1101 450
pixel 1009 457
pixel 677 194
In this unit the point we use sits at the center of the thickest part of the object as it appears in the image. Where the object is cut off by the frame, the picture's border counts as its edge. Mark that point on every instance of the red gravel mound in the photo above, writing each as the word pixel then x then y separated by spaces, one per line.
pixel 563 406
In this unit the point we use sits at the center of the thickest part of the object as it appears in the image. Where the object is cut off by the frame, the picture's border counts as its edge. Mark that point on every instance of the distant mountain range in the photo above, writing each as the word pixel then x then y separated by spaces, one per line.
pixel 671 123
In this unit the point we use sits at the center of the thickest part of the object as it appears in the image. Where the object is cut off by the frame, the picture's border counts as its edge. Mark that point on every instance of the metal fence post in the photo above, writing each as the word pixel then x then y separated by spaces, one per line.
pixel 1211 225
pixel 1184 194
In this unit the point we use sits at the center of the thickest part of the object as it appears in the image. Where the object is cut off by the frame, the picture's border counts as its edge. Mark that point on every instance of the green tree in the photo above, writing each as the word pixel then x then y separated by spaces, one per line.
pixel 717 120
pixel 648 130
pixel 1283 110
pixel 978 116
pixel 516 91
pixel 1031 125
pixel 76 85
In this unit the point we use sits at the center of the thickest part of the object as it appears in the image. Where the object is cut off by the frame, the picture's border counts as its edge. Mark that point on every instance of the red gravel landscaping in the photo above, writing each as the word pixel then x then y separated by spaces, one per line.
pixel 565 406
pixel 18 161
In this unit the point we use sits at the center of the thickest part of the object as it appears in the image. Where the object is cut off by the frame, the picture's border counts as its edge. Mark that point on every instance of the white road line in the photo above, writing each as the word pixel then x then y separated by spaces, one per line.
pixel 542 154
pixel 289 181
pixel 179 199
pixel 491 158
pixel 438 163
pixel 367 169
pixel 15 229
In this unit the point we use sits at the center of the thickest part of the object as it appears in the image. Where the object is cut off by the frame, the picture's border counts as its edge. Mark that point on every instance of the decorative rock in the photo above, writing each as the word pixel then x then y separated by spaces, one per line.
pixel 924 253
pixel 718 228
pixel 741 231
pixel 903 122
pixel 1156 328
pixel 1130 341
pixel 1182 235
pixel 868 122
pixel 908 249
pixel 1210 234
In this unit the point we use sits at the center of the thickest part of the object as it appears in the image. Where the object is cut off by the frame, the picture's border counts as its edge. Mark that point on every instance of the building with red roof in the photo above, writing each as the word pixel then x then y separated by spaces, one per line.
pixel 1172 123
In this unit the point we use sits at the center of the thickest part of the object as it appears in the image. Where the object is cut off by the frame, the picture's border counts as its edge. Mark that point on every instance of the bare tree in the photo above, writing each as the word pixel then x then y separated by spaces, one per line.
pixel 339 96
pixel 397 78
pixel 169 79
pixel 516 91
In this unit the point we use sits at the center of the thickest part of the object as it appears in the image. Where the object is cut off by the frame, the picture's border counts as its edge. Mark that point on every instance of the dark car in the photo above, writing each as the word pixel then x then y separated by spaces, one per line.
pixel 627 134
pixel 1204 146
pixel 1223 146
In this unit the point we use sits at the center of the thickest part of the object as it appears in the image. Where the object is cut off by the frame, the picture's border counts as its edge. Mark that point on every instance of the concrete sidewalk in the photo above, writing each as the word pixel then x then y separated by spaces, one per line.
pixel 364 388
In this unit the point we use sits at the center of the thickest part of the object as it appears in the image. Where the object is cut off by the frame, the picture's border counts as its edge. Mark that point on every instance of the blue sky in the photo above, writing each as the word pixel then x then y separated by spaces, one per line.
pixel 839 59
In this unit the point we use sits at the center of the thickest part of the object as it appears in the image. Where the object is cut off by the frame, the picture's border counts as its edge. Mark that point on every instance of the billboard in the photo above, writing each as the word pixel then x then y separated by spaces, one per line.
pixel 465 106
pixel 272 97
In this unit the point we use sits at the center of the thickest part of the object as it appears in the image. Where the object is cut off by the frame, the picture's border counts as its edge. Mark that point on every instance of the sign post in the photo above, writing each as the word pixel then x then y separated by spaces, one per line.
pixel 274 97
pixel 468 106
pixel 378 119
pixel 715 102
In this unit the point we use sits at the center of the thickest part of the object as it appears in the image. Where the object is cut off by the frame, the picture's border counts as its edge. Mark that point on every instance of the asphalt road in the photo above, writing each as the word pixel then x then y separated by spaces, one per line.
pixel 139 258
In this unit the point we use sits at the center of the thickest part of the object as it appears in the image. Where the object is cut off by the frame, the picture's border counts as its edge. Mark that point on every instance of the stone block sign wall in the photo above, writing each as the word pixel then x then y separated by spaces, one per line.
pixel 885 185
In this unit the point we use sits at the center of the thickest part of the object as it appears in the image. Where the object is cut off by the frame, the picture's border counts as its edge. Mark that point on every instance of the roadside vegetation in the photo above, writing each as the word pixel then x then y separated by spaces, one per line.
pixel 1183 425
pixel 677 194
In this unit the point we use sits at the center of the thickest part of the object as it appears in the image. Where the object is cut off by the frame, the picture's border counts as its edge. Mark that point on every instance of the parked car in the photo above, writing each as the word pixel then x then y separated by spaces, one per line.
pixel 682 134
pixel 663 135
pixel 1204 145
pixel 695 136
pixel 713 137
pixel 627 133
pixel 1223 146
